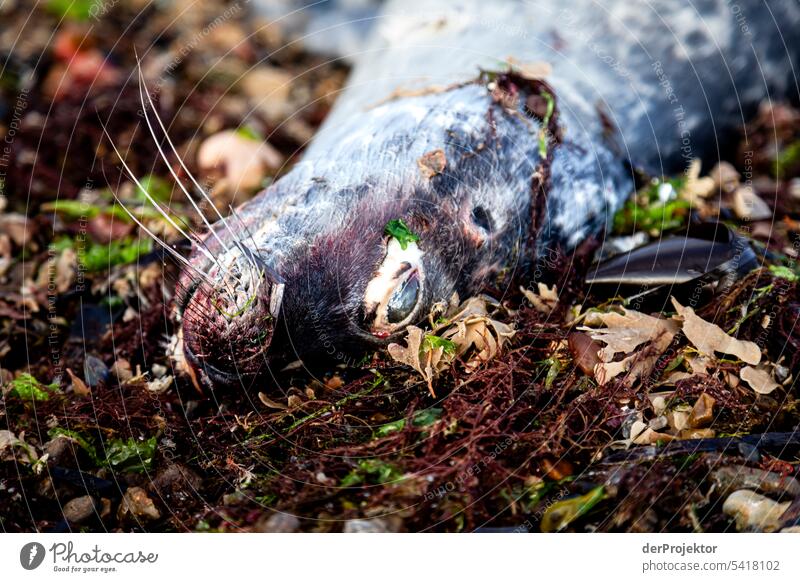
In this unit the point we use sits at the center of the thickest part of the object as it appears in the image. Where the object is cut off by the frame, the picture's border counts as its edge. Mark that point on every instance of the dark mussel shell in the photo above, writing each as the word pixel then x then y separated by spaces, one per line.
pixel 706 261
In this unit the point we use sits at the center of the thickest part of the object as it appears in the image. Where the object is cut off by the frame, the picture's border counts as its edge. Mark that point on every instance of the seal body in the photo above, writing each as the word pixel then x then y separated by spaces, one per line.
pixel 486 164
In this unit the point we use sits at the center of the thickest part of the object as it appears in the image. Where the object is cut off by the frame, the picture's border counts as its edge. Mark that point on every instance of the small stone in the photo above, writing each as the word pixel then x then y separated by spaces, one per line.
pixel 374 525
pixel 794 188
pixel 137 506
pixel 754 512
pixel 94 371
pixel 584 351
pixel 659 405
pixel 650 437
pixel 244 162
pixel 158 370
pixel 122 370
pixel 17 227
pixel 737 477
pixel 747 204
pixel 702 412
pixel 160 385
pixel 278 523
pixel 62 451
pixel 658 423
pixel 176 483
pixel 725 176
pixel 749 452
pixel 696 433
pixel 79 509
pixel 269 89
pixel 678 419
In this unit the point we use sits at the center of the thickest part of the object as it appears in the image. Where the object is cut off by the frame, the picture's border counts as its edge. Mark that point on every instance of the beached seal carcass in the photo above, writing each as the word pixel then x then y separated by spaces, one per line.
pixel 472 137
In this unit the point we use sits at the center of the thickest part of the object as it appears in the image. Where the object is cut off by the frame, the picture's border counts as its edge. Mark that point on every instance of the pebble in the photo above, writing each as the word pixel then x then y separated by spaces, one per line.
pixel 245 162
pixel 750 452
pixel 794 188
pixel 79 509
pixel 736 477
pixel 137 506
pixel 658 423
pixel 374 525
pixel 584 350
pixel 702 412
pixel 678 419
pixel 747 204
pixel 278 523
pixel 17 227
pixel 159 370
pixel 94 371
pixel 177 480
pixel 754 512
pixel 62 451
pixel 696 433
pixel 269 89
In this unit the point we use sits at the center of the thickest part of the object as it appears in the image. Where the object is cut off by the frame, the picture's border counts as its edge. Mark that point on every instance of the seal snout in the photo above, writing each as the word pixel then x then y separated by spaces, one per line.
pixel 228 322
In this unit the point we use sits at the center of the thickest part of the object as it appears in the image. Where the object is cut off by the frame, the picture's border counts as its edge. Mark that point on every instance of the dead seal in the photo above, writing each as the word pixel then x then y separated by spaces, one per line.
pixel 442 170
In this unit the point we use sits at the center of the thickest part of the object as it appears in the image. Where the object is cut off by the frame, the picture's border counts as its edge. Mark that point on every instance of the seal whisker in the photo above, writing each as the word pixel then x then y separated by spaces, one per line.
pixel 166 216
pixel 201 241
pixel 144 92
pixel 248 253
pixel 164 156
pixel 175 254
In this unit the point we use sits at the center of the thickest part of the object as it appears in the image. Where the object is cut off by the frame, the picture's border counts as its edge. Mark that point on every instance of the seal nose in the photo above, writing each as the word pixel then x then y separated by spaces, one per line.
pixel 228 327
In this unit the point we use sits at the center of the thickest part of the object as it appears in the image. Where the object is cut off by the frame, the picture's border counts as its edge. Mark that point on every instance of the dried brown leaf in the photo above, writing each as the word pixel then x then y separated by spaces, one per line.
pixel 78 386
pixel 472 332
pixel 624 333
pixel 759 379
pixel 709 338
pixel 544 300
pixel 627 331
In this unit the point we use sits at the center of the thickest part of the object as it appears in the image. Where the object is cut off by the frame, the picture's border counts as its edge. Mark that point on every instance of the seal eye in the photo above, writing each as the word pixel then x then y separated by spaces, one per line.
pixel 395 293
pixel 404 300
